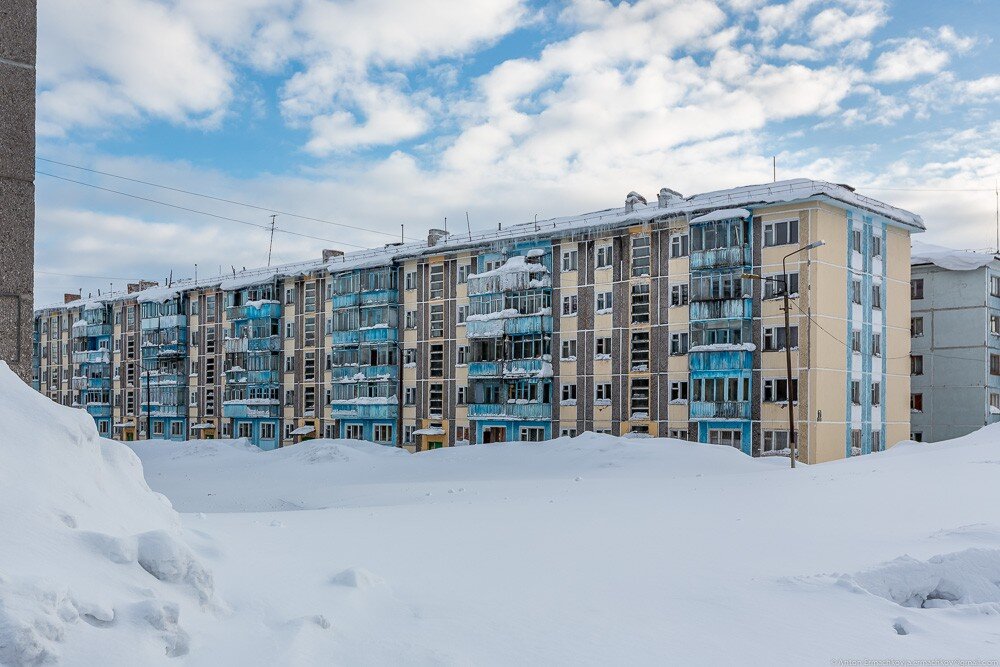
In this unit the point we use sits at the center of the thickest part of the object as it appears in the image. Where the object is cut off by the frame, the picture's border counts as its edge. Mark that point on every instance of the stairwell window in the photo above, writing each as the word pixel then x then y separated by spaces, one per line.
pixel 640 256
pixel 876 393
pixel 437 361
pixel 435 403
pixel 640 304
pixel 640 351
pixel 639 396
pixel 437 321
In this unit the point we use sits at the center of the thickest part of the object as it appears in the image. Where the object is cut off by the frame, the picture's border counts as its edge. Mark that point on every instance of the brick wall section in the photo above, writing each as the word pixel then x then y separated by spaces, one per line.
pixel 17 188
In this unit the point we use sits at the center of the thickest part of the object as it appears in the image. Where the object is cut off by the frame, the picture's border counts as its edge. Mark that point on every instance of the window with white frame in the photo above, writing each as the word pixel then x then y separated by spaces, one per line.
pixel 570 304
pixel 267 431
pixel 679 245
pixel 679 294
pixel 602 347
pixel 532 434
pixel 463 273
pixel 679 390
pixel 604 256
pixel 781 232
pixel 569 349
pixel 876 246
pixel 726 437
pixel 640 304
pixel 382 433
pixel 775 390
pixel 640 256
pixel 602 393
pixel 877 296
pixel 567 433
pixel 411 319
pixel 410 280
pixel 604 301
pixel 436 398
pixel 856 341
pixel 640 350
pixel 462 395
pixel 856 392
pixel 437 281
pixel 639 395
pixel 437 321
pixel 774 338
pixel 916 364
pixel 410 356
pixel 568 392
pixel 289 329
pixel 856 291
pixel 679 343
pixel 462 354
pixel 774 442
pixel 408 433
pixel 678 434
pixel 877 344
pixel 774 289
pixel 856 240
pixel 570 260
pixel 463 314
pixel 410 396
pixel 244 430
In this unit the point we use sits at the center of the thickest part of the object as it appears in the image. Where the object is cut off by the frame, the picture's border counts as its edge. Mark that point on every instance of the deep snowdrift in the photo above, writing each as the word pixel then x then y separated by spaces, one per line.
pixel 92 564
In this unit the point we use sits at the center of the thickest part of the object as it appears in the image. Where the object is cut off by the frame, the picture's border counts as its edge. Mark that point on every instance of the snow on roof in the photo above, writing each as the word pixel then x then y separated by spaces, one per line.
pixel 742 198
pixel 303 430
pixel 948 258
pixel 723 214
pixel 433 430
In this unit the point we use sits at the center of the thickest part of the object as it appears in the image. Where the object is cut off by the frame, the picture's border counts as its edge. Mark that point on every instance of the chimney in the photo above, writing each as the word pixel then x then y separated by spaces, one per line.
pixel 666 195
pixel 141 285
pixel 67 297
pixel 330 254
pixel 435 235
pixel 633 198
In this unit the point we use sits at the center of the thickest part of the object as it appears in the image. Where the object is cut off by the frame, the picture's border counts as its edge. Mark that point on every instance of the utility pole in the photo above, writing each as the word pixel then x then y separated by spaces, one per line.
pixel 270 245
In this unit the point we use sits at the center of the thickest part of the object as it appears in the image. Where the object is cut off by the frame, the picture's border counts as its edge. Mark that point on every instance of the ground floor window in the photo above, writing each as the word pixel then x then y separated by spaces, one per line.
pixel 532 434
pixel 157 427
pixel 330 431
pixel 177 428
pixel 679 433
pixel 102 427
pixel 774 441
pixel 244 430
pixel 917 436
pixel 725 436
pixel 876 441
pixel 567 433
pixel 267 431
pixel 382 433
pixel 855 441
pixel 353 431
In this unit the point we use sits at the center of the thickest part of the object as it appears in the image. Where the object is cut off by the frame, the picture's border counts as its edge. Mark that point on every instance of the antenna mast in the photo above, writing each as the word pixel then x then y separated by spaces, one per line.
pixel 270 245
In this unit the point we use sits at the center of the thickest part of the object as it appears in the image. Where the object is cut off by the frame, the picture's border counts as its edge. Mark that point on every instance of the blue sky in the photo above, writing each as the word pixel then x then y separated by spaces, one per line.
pixel 383 112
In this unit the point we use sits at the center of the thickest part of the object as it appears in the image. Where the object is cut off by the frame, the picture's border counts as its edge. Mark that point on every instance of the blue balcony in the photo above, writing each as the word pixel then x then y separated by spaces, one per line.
pixel 79 383
pixel 262 310
pixel 379 335
pixel 265 344
pixel 510 368
pixel 379 297
pixel 99 409
pixel 156 410
pixel 725 360
pixel 346 337
pixel 719 310
pixel 364 410
pixel 252 377
pixel 484 369
pixel 92 357
pixel 522 325
pixel 720 257
pixel 719 410
pixel 345 300
pixel 244 410
pixel 92 331
pixel 172 350
pixel 520 411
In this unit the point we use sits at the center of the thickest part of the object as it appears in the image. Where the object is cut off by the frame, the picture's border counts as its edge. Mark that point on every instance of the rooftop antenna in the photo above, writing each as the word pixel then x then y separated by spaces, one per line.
pixel 196 272
pixel 445 224
pixel 774 168
pixel 402 233
pixel 468 225
pixel 536 222
pixel 499 226
pixel 271 243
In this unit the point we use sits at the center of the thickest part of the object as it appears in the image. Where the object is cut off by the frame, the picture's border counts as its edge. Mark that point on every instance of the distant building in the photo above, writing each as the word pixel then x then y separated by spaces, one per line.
pixel 637 321
pixel 955 346
pixel 17 182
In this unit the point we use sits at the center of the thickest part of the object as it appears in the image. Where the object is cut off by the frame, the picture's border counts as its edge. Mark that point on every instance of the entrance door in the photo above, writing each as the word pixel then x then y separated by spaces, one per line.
pixel 494 434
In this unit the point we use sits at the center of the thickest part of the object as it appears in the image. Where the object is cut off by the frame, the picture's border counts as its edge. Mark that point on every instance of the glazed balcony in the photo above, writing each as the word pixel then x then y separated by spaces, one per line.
pixel 82 383
pixel 512 326
pixel 265 344
pixel 257 310
pixel 251 409
pixel 158 410
pixel 241 376
pixel 514 411
pixel 99 409
pixel 719 360
pixel 92 357
pixel 165 322
pixel 348 410
pixel 720 257
pixel 91 330
pixel 511 368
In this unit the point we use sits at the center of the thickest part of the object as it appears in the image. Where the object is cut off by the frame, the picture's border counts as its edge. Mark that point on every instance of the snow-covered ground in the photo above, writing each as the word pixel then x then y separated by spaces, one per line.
pixel 593 550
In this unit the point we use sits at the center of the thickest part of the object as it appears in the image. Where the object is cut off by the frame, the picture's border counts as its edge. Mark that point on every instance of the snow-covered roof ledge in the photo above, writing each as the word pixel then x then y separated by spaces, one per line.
pixel 723 214
pixel 948 258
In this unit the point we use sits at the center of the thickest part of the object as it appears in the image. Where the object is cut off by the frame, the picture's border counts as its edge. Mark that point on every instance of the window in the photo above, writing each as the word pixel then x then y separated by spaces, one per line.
pixel 856 291
pixel 917 288
pixel 876 393
pixel 436 398
pixel 569 304
pixel 877 297
pixel 916 436
pixel 410 356
pixel 568 350
pixel 602 347
pixel 727 437
pixel 463 273
pixel 309 332
pixel 774 338
pixel 570 260
pixel 774 442
pixel 877 345
pixel 640 256
pixel 640 350
pixel 639 396
pixel 995 285
pixel 602 393
pixel 569 392
pixel 994 403
pixel 289 397
pixel 289 364
pixel 856 240
pixel 776 390
pixel 876 246
pixel 916 402
pixel 462 395
pixel 916 364
pixel 994 325
pixel 775 288
pixel 267 431
pixel 463 314
pixel 437 321
pixel 604 302
pixel 176 428
pixel 463 355
pixel 411 319
pixel 437 281
pixel 244 430
pixel 781 232
pixel 679 245
pixel 679 343
pixel 382 433
pixel 679 391
pixel 353 431
pixel 567 433
pixel 309 366
pixel 995 364
pixel 679 294
pixel 408 433
pixel 916 326
pixel 309 297
pixel 532 434
pixel 290 295
pixel 410 396
pixel 289 329
pixel 437 361
pixel 640 304
pixel 604 256
pixel 856 392
pixel 410 280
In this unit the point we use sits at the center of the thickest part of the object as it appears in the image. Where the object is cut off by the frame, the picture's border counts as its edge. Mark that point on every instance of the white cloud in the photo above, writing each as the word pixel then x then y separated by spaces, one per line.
pixel 835 26
pixel 912 58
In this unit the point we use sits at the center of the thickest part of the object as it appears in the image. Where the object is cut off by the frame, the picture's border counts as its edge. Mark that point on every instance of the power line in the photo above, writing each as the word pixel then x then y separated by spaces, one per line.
pixel 220 199
pixel 193 210
pixel 868 187
pixel 76 275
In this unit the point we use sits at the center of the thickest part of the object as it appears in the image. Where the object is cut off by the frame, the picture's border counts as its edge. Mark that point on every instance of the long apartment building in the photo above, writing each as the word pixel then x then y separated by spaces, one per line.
pixel 640 320
pixel 955 329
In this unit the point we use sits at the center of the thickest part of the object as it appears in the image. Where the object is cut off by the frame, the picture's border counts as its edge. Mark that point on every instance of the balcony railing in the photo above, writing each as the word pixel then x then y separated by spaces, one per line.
pixel 265 344
pixel 518 325
pixel 720 257
pixel 244 410
pixel 91 331
pixel 720 409
pixel 518 411
pixel 252 377
pixel 92 357
pixel 99 409
pixel 254 311
pixel 720 360
pixel 510 368
pixel 379 334
pixel 364 410
pixel 79 383
pixel 158 410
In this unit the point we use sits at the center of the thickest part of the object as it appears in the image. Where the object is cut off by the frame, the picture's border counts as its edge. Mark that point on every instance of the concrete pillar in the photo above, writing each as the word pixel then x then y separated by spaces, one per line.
pixel 17 181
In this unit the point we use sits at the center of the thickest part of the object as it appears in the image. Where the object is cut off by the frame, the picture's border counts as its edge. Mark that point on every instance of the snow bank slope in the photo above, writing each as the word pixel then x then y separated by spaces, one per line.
pixel 91 564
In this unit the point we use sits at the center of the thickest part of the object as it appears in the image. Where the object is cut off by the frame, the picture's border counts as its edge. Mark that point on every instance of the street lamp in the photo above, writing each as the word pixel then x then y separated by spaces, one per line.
pixel 788 338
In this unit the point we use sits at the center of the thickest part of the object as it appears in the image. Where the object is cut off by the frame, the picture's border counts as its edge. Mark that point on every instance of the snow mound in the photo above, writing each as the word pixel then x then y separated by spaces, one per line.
pixel 332 451
pixel 356 577
pixel 968 577
pixel 94 564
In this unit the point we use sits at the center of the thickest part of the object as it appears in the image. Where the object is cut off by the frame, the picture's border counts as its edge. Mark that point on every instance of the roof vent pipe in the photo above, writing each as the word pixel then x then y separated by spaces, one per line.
pixel 633 198
pixel 434 236
pixel 666 195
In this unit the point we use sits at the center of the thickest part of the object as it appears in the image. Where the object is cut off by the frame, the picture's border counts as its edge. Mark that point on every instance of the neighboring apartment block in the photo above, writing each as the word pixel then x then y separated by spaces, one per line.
pixel 955 329
pixel 639 320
